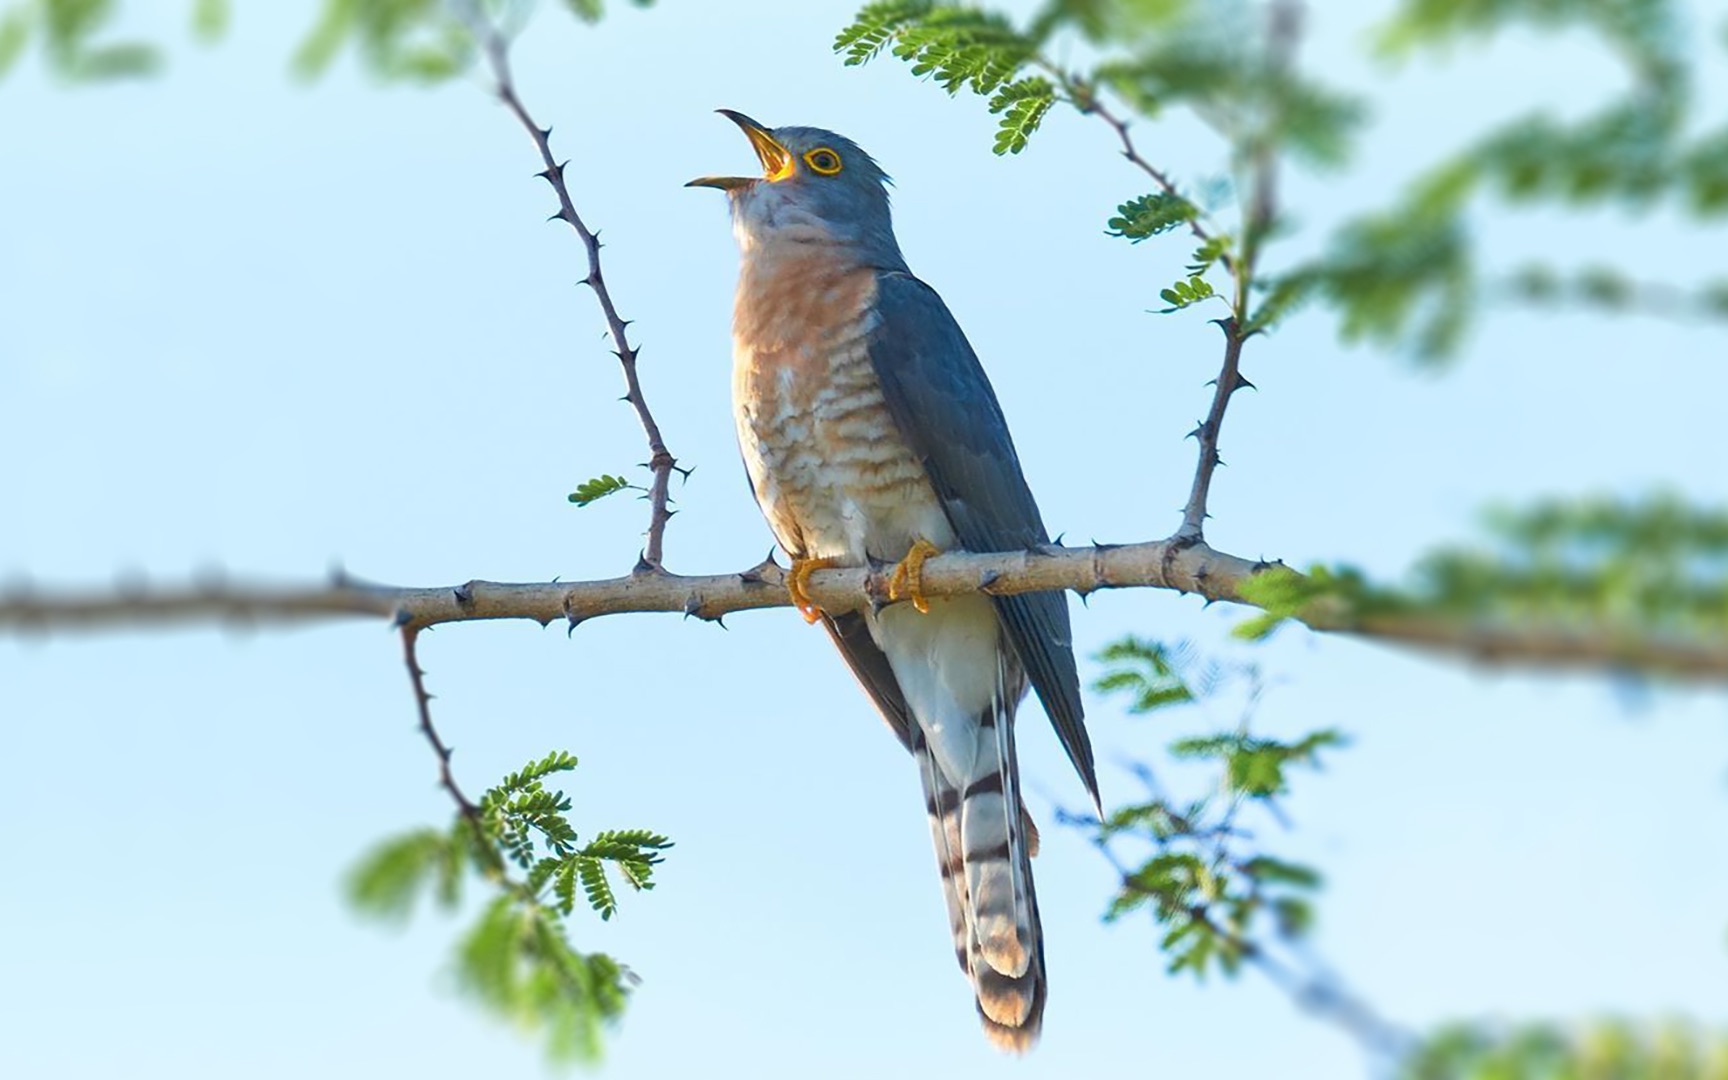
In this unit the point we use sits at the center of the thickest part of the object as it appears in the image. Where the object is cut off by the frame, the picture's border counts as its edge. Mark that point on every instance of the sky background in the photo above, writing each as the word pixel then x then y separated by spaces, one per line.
pixel 266 327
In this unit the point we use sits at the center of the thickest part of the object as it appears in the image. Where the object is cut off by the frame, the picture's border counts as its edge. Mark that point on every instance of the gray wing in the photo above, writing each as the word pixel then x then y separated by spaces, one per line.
pixel 869 664
pixel 945 409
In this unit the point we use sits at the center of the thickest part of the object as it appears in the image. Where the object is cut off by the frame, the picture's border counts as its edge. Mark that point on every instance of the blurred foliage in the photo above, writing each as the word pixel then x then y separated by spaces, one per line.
pixel 1198 873
pixel 72 35
pixel 1405 276
pixel 425 41
pixel 412 40
pixel 1651 569
pixel 1607 1050
pixel 516 959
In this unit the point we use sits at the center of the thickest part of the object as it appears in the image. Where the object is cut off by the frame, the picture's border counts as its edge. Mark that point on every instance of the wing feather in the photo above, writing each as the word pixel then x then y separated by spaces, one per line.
pixel 944 407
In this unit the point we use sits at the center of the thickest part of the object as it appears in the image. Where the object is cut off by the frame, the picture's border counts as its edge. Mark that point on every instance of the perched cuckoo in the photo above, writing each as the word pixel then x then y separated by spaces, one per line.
pixel 871 433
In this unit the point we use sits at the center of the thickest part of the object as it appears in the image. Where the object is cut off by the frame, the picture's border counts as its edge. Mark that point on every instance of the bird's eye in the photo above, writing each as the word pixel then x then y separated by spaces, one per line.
pixel 823 160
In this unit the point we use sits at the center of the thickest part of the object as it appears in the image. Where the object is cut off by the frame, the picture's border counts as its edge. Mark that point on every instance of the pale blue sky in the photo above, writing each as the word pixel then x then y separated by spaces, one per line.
pixel 264 327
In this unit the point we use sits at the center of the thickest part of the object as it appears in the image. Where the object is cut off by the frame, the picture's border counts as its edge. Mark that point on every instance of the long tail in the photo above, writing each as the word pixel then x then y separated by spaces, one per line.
pixel 984 844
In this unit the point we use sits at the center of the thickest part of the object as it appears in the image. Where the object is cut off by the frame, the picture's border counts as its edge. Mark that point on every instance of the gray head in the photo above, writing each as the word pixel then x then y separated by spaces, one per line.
pixel 816 187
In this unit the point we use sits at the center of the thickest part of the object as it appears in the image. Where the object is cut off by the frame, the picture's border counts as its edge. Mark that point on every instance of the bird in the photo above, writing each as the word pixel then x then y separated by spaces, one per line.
pixel 871 435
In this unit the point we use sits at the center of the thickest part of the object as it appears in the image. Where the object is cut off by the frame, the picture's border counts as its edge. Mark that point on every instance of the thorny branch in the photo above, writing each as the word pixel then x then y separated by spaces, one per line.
pixel 1230 379
pixel 660 460
pixel 1181 565
pixel 1086 99
pixel 1261 208
pixel 423 703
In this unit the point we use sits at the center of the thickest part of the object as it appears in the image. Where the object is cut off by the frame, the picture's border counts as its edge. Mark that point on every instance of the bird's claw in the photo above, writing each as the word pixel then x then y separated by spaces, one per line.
pixel 798 584
pixel 907 581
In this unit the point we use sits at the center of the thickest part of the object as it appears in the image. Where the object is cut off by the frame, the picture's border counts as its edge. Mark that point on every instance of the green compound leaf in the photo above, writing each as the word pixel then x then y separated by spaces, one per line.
pixel 594 490
pixel 1149 215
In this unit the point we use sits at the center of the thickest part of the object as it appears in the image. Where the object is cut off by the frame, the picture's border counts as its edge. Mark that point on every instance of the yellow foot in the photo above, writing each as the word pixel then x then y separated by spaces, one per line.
pixel 798 584
pixel 907 582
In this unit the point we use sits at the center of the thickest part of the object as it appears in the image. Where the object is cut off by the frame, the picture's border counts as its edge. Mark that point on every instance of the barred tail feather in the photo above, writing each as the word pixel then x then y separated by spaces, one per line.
pixel 984 841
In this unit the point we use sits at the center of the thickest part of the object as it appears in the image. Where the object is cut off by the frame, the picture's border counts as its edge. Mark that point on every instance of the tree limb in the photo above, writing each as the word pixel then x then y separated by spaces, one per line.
pixel 1178 564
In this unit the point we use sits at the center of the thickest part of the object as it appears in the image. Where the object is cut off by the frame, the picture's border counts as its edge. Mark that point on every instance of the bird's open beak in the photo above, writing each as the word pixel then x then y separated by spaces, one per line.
pixel 777 163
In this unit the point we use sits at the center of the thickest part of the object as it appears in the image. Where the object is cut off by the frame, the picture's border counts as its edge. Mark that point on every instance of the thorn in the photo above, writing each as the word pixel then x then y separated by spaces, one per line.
pixel 465 595
pixel 588 281
pixel 338 576
pixel 987 579
pixel 720 621
pixel 758 574
pixel 401 619
pixel 1085 598
pixel 555 171
pixel 692 606
pixel 1105 547
pixel 1199 430
pixel 544 133
pixel 544 623
pixel 559 216
pixel 643 566
pixel 683 473
pixel 1242 382
pixel 1058 541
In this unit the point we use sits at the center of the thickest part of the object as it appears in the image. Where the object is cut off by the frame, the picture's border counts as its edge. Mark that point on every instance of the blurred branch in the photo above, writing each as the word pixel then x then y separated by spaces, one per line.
pixel 1218 899
pixel 1605 289
pixel 660 460
pixel 1181 565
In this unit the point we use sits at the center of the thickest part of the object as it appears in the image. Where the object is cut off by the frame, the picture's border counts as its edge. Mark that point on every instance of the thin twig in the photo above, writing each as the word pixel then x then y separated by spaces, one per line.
pixel 423 702
pixel 1228 382
pixel 1260 210
pixel 1085 98
pixel 1230 378
pixel 1314 990
pixel 660 460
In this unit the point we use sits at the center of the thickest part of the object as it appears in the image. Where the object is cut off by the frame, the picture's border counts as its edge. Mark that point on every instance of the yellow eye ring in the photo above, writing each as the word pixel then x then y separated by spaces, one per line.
pixel 822 161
